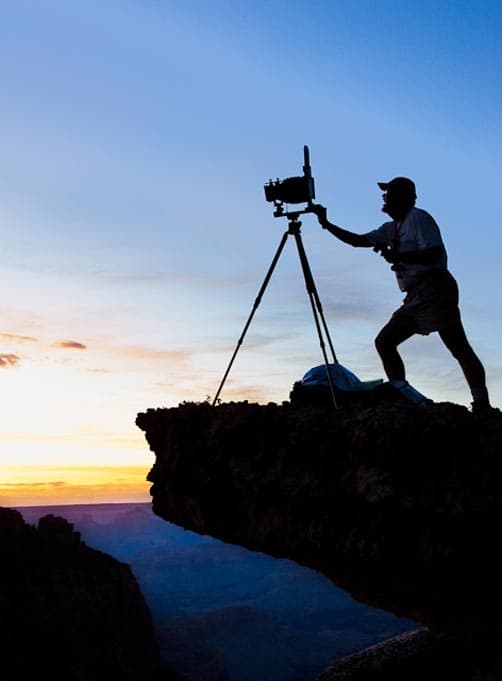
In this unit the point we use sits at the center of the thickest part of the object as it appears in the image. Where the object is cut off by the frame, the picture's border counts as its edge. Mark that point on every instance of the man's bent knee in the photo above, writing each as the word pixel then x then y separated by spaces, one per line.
pixel 393 334
pixel 382 343
pixel 390 336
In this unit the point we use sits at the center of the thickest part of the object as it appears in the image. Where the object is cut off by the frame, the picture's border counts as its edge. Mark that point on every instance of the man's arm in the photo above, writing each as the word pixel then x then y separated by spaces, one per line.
pixel 343 234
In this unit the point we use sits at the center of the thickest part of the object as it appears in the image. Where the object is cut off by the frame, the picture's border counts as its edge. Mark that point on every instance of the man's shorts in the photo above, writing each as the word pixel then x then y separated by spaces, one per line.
pixel 431 305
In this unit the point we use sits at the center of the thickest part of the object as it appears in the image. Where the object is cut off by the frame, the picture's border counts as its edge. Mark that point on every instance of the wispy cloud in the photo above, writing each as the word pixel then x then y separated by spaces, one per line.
pixel 357 310
pixel 14 337
pixel 9 360
pixel 149 278
pixel 31 485
pixel 70 344
pixel 145 352
pixel 249 393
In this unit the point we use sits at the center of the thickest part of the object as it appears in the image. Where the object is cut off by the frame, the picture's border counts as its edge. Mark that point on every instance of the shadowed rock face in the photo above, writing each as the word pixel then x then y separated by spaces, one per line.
pixel 69 612
pixel 413 656
pixel 399 505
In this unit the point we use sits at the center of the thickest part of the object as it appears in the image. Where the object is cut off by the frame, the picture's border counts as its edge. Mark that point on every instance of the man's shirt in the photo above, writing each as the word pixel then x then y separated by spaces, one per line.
pixel 416 232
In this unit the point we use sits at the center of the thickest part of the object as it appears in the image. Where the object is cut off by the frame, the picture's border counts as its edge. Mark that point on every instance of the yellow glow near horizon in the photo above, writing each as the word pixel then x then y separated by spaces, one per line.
pixel 53 485
pixel 68 433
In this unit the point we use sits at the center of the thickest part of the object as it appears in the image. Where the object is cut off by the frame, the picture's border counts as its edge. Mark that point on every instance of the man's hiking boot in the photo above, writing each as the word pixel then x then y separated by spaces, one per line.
pixel 483 407
pixel 409 393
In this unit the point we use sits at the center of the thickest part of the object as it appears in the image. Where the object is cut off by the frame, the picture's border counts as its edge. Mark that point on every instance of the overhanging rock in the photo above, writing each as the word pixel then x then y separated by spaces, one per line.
pixel 399 505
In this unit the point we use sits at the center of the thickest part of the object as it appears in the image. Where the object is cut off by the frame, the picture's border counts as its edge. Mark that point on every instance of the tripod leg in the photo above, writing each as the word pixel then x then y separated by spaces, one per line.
pixel 316 311
pixel 255 307
pixel 312 290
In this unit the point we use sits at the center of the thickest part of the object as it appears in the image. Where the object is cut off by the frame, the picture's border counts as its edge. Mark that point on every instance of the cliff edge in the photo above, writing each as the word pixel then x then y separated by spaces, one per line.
pixel 399 505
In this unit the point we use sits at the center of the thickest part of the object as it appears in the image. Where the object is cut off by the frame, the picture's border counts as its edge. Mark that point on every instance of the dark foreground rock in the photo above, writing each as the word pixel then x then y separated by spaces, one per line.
pixel 413 656
pixel 68 612
pixel 399 505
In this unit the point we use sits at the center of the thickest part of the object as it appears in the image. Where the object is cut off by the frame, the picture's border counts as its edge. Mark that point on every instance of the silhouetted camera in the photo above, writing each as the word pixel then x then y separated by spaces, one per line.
pixel 293 189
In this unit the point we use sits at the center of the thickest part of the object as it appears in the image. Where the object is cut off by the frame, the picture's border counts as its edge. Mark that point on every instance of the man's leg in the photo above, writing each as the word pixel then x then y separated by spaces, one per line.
pixel 398 329
pixel 456 341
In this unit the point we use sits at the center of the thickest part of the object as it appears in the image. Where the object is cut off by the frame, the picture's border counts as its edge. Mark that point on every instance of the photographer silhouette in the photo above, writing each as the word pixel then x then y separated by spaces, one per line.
pixel 411 243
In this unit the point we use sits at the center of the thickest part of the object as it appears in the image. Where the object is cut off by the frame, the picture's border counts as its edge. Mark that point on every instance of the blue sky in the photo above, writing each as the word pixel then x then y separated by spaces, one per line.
pixel 136 138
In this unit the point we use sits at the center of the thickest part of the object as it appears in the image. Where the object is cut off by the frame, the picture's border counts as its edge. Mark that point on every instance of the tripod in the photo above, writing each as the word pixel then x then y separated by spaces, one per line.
pixel 294 226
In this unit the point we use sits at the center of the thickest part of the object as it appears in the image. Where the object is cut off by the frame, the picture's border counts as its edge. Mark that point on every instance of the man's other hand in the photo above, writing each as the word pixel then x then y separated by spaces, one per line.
pixel 389 254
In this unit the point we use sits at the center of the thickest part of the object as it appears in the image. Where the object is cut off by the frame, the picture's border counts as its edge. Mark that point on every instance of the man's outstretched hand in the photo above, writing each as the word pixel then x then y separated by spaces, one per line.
pixel 320 211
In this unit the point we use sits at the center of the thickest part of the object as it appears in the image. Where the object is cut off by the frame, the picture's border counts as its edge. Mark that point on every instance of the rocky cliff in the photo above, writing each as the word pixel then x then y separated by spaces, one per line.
pixel 69 612
pixel 399 505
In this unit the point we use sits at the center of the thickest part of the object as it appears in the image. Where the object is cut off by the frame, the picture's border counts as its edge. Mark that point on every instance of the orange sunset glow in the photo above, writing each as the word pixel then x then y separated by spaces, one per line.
pixel 59 485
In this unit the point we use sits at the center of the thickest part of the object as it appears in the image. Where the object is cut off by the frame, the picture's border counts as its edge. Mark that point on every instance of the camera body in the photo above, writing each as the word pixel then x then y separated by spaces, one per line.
pixel 291 190
pixel 299 189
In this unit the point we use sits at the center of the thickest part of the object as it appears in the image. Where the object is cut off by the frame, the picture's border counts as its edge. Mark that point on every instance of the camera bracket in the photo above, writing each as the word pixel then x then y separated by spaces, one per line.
pixel 280 212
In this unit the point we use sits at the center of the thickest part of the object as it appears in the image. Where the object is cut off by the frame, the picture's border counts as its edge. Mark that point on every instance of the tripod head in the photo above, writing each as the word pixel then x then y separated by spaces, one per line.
pixel 292 190
pixel 293 215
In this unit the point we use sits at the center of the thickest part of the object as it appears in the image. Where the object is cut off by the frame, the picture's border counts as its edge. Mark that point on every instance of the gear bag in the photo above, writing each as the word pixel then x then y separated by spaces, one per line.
pixel 313 389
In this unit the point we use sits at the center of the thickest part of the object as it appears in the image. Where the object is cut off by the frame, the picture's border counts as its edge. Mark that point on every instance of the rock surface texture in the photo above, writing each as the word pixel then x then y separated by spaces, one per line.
pixel 69 612
pixel 400 505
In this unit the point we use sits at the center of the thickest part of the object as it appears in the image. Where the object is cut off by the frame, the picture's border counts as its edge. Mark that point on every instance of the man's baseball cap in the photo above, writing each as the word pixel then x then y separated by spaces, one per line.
pixel 401 185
